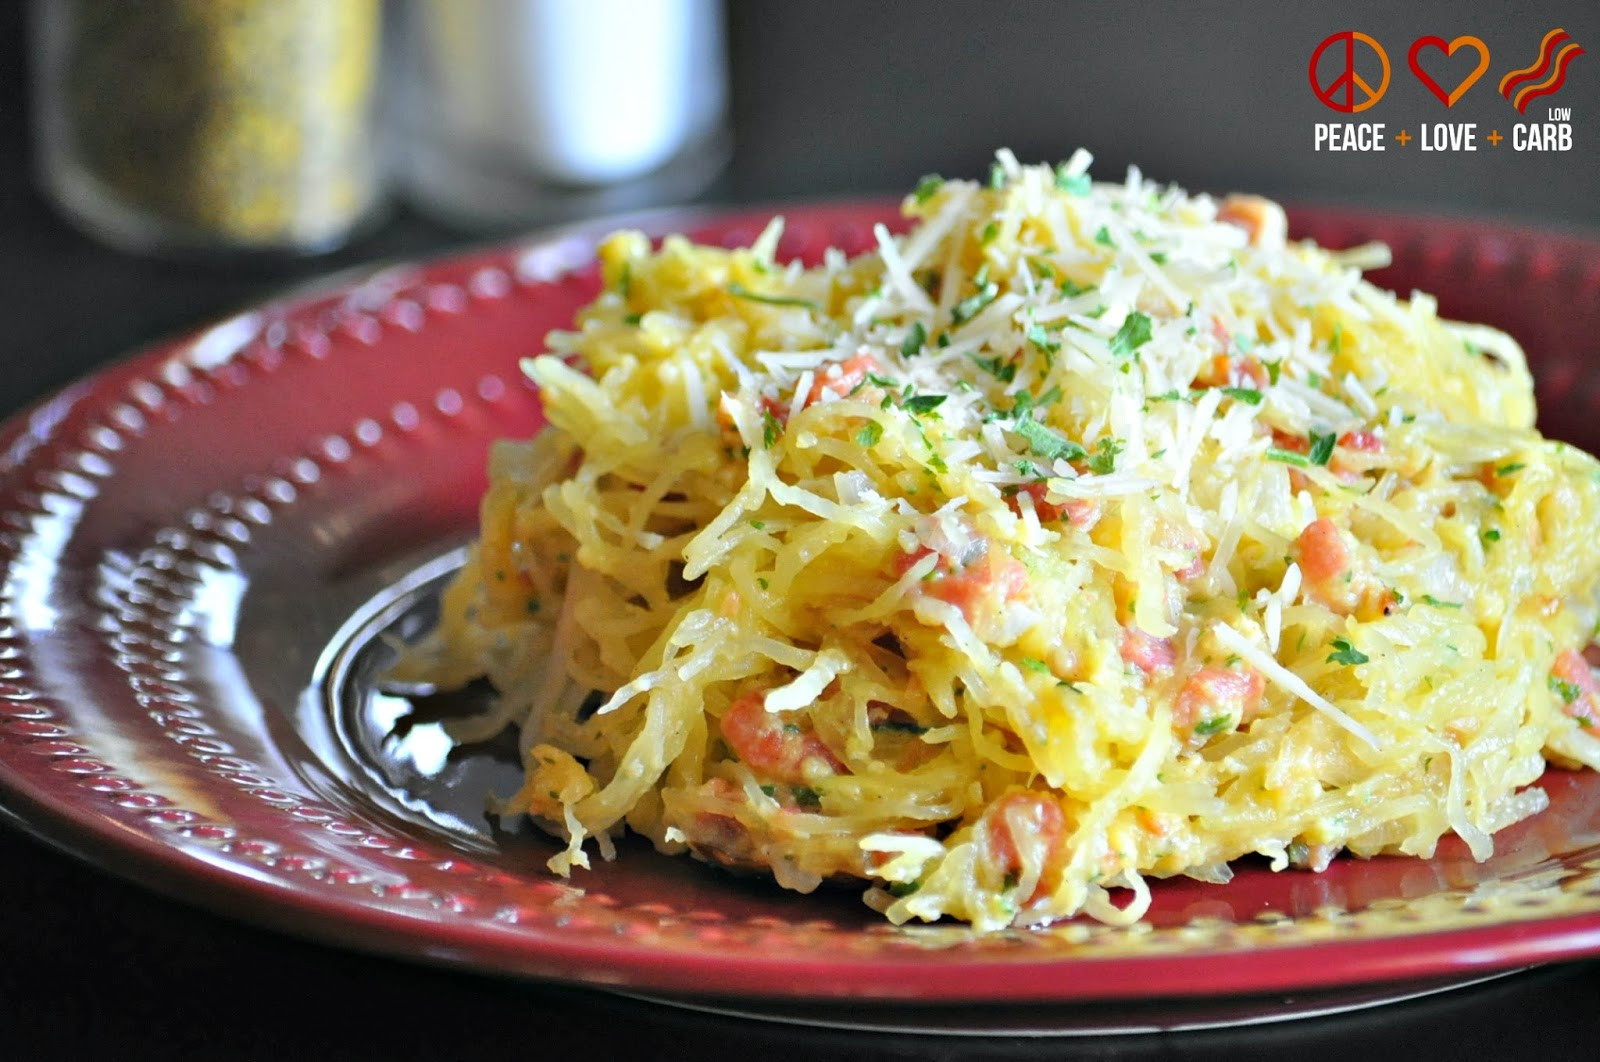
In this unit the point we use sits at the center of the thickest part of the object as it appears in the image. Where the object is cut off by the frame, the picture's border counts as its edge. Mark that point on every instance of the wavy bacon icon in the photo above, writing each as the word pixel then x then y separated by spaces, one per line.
pixel 1548 73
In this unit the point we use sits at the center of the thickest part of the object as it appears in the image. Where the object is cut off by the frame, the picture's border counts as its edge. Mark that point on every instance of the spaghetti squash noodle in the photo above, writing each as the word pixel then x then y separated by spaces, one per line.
pixel 1087 533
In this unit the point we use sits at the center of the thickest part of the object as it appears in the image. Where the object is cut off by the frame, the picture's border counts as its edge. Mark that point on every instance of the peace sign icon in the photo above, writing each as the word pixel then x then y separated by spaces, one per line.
pixel 1340 93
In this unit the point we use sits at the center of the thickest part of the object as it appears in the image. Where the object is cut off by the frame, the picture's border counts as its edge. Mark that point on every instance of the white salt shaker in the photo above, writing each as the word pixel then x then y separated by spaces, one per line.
pixel 512 111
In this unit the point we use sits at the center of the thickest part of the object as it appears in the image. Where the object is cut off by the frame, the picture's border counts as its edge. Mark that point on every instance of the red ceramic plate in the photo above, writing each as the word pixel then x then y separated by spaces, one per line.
pixel 206 546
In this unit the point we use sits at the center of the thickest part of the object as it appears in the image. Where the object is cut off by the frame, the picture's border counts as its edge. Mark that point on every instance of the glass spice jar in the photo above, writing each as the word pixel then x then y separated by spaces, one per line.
pixel 209 126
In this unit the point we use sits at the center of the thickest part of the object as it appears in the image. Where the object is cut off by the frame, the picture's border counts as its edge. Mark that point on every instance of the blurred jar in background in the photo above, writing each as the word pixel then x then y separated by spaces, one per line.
pixel 506 112
pixel 209 126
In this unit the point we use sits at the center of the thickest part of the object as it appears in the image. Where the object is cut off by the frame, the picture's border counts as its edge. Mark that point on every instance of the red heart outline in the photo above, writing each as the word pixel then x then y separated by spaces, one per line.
pixel 1449 49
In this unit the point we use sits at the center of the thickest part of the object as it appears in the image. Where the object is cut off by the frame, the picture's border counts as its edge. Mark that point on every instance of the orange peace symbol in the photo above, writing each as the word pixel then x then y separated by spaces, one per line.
pixel 1349 79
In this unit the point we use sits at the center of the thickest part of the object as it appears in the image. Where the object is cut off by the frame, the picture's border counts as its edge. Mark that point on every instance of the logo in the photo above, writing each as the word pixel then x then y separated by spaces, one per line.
pixel 1515 85
pixel 1340 92
pixel 1450 49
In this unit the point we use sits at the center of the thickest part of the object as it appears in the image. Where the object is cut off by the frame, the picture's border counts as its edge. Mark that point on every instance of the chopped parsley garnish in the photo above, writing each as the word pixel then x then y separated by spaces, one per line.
pixel 1041 340
pixel 1045 443
pixel 771 428
pixel 1491 535
pixel 1165 396
pixel 1288 457
pixel 927 187
pixel 1004 371
pixel 1134 333
pixel 917 404
pixel 1567 691
pixel 1345 653
pixel 915 338
pixel 739 291
pixel 1436 603
pixel 1506 470
pixel 1072 184
pixel 973 304
pixel 1215 725
pixel 869 434
pixel 1104 461
pixel 1322 447
pixel 806 797
pixel 1336 340
pixel 1274 370
pixel 762 582
pixel 633 318
pixel 1033 664
pixel 1243 394
pixel 990 231
pixel 1102 237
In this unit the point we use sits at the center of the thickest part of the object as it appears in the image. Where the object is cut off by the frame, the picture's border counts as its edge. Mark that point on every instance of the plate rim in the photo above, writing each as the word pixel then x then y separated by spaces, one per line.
pixel 72 828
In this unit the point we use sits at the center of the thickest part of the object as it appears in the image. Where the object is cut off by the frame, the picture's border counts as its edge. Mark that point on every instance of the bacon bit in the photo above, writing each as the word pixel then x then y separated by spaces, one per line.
pixel 772 748
pixel 1224 370
pixel 1214 373
pixel 1324 557
pixel 1350 468
pixel 1082 513
pixel 1154 823
pixel 1325 562
pixel 718 835
pixel 1146 653
pixel 842 377
pixel 1295 443
pixel 1040 820
pixel 730 431
pixel 1181 540
pixel 1214 693
pixel 1262 219
pixel 1365 441
pixel 983 586
pixel 1252 370
pixel 1331 577
pixel 1572 671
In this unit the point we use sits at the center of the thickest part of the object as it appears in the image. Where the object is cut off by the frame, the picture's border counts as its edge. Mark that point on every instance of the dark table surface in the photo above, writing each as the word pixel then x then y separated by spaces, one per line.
pixel 92 966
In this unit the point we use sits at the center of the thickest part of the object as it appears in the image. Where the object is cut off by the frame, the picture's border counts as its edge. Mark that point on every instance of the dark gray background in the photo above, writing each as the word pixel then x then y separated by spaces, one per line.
pixel 839 95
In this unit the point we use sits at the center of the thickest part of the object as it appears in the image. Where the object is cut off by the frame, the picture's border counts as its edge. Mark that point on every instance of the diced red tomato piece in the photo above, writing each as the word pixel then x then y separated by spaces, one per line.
pixel 1212 694
pixel 1213 373
pixel 985 585
pixel 1365 441
pixel 771 744
pixel 1297 444
pixel 1264 220
pixel 1147 653
pixel 1025 822
pixel 842 377
pixel 1324 558
pixel 1082 513
pixel 1572 671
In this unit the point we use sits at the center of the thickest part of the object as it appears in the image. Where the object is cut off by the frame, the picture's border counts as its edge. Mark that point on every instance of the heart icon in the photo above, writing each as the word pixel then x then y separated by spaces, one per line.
pixel 1449 49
